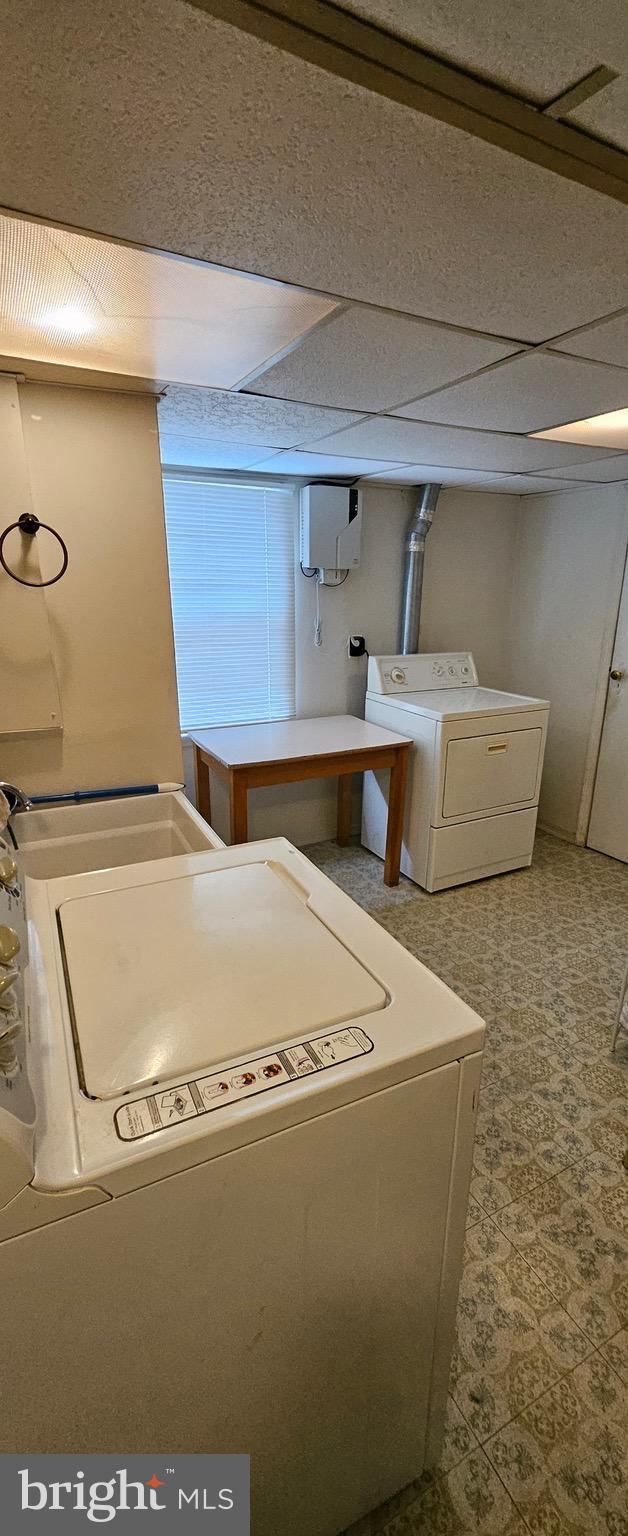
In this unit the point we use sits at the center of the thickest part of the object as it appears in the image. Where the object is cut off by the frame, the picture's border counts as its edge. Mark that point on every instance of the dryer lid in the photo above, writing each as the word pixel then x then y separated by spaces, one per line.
pixel 165 979
pixel 457 703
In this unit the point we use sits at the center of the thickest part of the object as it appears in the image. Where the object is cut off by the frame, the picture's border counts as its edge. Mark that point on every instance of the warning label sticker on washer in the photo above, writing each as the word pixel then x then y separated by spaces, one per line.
pixel 202 1095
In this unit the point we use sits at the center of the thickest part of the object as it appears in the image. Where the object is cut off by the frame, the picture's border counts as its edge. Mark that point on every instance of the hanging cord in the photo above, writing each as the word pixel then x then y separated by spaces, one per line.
pixel 318 576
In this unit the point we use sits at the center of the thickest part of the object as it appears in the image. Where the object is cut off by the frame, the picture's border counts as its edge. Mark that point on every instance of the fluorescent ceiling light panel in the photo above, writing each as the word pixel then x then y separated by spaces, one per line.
pixel 67 298
pixel 607 431
pixel 70 320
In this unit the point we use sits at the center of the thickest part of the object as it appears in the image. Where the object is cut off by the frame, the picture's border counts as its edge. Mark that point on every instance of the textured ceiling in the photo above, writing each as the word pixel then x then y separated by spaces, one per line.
pixel 216 429
pixel 173 130
pixel 240 418
pixel 208 453
pixel 533 485
pixel 533 48
pixel 319 465
pixel 602 471
pixel 393 438
pixel 370 360
pixel 607 342
pixel 533 390
pixel 606 115
pixel 418 474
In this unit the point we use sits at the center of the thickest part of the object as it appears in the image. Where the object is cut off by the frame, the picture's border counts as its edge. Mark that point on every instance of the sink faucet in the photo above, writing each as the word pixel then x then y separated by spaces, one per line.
pixel 16 799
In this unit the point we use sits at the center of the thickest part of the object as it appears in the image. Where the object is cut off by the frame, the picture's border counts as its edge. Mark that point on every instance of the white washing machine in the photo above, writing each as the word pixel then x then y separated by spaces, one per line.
pixel 475 768
pixel 235 1148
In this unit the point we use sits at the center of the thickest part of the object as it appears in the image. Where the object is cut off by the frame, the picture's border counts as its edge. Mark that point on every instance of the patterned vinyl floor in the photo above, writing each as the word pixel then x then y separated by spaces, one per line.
pixel 538 1412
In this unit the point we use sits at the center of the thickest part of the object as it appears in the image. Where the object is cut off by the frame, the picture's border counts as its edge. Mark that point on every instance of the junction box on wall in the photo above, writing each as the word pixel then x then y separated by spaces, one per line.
pixel 330 529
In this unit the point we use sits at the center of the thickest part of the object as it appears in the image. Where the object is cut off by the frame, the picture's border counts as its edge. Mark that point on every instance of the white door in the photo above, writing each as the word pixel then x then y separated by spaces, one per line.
pixel 608 827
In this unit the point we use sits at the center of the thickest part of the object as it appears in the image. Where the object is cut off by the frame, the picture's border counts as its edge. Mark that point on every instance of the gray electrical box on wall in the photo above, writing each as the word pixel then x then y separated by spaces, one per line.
pixel 330 527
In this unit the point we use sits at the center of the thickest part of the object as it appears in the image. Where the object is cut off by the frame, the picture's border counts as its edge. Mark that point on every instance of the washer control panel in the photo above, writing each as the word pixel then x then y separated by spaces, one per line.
pixel 201 1096
pixel 417 674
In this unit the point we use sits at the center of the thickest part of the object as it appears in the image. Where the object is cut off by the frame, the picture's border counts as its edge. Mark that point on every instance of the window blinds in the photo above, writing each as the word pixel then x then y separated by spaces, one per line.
pixel 232 568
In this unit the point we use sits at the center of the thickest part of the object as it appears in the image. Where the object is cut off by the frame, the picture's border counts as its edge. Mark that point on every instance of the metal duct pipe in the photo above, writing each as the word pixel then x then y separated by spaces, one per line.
pixel 416 534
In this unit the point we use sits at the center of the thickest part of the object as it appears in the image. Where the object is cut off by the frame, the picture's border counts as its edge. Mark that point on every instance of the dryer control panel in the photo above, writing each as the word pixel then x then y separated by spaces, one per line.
pixel 420 672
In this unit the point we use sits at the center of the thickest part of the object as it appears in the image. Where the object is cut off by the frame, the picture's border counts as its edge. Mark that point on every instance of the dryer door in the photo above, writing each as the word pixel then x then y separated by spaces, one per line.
pixel 491 772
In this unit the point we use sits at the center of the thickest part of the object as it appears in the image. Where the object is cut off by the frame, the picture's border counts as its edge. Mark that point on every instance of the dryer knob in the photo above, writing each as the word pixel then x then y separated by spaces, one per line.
pixel 398 675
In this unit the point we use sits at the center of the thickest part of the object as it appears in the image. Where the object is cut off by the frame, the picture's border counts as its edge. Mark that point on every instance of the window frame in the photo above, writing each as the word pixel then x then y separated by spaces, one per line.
pixel 242 477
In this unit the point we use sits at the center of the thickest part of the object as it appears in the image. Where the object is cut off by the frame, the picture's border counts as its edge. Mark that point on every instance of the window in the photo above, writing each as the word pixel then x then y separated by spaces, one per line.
pixel 232 564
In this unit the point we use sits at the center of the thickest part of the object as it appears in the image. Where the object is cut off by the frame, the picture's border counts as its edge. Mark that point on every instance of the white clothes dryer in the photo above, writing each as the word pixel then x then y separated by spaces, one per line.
pixel 474 772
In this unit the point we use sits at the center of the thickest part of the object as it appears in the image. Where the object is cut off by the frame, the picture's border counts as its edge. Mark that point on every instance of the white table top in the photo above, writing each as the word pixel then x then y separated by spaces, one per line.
pixel 276 741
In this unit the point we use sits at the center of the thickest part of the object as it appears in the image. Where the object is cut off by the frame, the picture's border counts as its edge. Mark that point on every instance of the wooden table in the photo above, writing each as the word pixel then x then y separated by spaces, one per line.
pixel 284 751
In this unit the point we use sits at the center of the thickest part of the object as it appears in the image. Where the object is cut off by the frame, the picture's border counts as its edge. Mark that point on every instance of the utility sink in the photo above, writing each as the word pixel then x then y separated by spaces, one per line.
pixel 105 834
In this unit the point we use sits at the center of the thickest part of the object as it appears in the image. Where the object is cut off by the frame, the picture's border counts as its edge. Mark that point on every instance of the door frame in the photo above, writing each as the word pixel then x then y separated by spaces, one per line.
pixel 620 565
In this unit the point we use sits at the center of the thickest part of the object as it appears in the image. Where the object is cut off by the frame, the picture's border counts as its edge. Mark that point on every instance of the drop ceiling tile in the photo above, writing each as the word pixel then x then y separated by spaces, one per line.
pixel 601 472
pixel 384 205
pixel 606 113
pixel 395 439
pixel 529 392
pixel 369 360
pixel 67 298
pixel 534 49
pixel 419 474
pixel 606 342
pixel 532 485
pixel 240 418
pixel 322 464
pixel 205 453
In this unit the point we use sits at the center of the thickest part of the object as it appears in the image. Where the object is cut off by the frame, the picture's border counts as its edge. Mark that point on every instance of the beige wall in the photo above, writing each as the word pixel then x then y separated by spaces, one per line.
pixel 469 563
pixel 93 461
pixel 530 585
pixel 567 581
pixel 466 603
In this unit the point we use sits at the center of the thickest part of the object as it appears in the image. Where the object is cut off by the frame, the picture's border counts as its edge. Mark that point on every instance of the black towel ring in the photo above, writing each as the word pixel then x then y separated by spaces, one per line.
pixel 31 525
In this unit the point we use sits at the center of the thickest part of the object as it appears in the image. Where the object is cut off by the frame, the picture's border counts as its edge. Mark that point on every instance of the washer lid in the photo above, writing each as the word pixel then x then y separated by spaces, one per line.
pixel 167 978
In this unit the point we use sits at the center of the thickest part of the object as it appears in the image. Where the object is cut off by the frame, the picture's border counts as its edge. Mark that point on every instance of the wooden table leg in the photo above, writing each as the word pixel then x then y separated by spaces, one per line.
pixel 201 779
pixel 343 819
pixel 394 828
pixel 238 811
